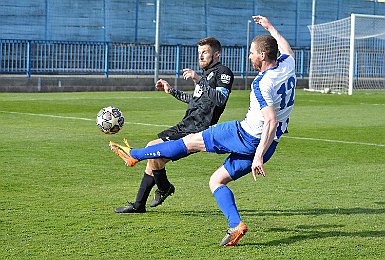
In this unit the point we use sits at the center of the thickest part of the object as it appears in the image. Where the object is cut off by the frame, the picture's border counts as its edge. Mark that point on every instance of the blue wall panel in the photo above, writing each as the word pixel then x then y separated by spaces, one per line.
pixel 227 20
pixel 181 22
pixel 121 21
pixel 22 19
pixel 72 20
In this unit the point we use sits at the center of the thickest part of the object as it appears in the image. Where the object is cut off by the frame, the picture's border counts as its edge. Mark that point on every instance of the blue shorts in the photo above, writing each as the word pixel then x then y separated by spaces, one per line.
pixel 229 137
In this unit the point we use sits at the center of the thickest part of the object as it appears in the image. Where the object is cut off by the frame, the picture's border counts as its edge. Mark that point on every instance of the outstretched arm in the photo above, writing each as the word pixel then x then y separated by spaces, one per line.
pixel 180 95
pixel 283 44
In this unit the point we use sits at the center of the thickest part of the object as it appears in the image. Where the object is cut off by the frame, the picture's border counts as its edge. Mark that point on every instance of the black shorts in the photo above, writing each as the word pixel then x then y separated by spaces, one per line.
pixel 173 133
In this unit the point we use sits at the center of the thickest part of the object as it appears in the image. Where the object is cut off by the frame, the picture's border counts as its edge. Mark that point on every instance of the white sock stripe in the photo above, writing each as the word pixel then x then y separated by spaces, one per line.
pixel 146 124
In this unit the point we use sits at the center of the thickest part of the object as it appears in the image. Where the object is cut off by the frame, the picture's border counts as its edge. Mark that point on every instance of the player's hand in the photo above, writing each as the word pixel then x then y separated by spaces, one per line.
pixel 258 19
pixel 189 73
pixel 257 167
pixel 161 84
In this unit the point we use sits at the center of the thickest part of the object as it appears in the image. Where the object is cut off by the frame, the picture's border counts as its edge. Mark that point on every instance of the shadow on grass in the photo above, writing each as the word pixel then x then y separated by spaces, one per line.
pixel 307 234
pixel 278 213
pixel 302 232
pixel 313 212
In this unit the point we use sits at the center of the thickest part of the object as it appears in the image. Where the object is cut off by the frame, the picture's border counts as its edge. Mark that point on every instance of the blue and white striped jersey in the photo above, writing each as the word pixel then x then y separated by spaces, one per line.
pixel 273 87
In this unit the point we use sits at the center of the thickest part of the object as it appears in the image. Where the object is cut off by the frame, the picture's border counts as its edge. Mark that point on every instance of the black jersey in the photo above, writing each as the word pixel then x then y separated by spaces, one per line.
pixel 205 105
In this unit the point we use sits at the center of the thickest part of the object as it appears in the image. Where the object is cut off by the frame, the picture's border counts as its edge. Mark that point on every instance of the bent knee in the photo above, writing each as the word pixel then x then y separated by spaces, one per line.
pixel 153 142
pixel 156 164
pixel 215 183
pixel 219 178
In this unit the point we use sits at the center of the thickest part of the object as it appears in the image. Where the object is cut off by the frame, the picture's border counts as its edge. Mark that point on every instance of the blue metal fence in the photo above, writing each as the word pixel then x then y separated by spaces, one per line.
pixel 61 57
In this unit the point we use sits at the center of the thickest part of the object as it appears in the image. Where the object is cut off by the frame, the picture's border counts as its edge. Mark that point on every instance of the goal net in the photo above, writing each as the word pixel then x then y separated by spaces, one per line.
pixel 348 54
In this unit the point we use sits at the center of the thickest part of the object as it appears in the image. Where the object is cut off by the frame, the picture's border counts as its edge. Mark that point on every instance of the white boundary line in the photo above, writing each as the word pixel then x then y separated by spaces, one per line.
pixel 45 115
pixel 332 141
pixel 136 123
pixel 75 118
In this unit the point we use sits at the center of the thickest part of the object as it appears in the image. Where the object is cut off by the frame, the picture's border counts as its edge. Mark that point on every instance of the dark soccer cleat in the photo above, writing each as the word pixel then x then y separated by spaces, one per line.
pixel 130 209
pixel 233 235
pixel 160 196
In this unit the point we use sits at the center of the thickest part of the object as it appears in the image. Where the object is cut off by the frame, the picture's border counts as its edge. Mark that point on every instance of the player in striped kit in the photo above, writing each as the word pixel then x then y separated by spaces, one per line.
pixel 250 142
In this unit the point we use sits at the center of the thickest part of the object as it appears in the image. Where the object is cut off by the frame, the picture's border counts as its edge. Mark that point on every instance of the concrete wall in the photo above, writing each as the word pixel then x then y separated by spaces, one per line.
pixel 72 84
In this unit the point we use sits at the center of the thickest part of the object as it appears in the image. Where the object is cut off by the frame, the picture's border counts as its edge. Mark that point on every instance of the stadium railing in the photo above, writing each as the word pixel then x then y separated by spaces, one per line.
pixel 108 58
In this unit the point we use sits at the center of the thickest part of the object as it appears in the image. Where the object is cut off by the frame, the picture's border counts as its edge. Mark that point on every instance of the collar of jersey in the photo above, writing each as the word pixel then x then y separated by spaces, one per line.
pixel 279 60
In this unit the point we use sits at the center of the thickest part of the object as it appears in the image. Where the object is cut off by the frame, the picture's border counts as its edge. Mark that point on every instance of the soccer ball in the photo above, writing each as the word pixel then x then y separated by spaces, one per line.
pixel 110 120
pixel 327 90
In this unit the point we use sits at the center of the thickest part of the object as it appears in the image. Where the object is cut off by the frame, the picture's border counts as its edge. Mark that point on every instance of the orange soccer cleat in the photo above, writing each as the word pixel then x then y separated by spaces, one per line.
pixel 234 235
pixel 123 152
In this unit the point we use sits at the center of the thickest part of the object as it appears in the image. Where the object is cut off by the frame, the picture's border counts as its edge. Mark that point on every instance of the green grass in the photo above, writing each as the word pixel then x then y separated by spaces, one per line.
pixel 60 182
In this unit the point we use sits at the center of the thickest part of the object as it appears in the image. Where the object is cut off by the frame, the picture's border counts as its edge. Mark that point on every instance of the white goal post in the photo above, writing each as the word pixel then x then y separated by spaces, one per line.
pixel 348 54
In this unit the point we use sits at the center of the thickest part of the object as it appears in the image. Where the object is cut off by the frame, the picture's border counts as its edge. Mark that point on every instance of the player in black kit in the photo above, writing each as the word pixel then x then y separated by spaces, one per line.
pixel 205 106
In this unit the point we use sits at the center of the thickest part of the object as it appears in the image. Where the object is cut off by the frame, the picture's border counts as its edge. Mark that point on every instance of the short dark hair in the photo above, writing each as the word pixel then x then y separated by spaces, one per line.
pixel 212 42
pixel 267 44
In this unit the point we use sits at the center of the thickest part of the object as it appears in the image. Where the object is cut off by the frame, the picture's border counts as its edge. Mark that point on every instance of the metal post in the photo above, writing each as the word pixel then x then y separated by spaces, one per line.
pixel 156 73
pixel 247 53
pixel 177 65
pixel 106 58
pixel 313 16
pixel 105 20
pixel 302 63
pixel 28 71
pixel 313 11
pixel 351 64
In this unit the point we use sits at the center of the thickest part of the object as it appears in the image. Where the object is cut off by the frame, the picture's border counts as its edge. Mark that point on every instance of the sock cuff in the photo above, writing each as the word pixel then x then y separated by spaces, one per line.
pixel 218 189
pixel 182 145
pixel 161 171
pixel 148 179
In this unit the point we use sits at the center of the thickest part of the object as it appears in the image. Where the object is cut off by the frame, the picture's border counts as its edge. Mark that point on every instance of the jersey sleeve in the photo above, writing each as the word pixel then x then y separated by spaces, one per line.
pixel 224 81
pixel 180 95
pixel 225 78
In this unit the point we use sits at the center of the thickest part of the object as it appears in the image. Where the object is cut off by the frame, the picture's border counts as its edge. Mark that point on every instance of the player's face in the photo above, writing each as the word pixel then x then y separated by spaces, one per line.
pixel 206 56
pixel 256 57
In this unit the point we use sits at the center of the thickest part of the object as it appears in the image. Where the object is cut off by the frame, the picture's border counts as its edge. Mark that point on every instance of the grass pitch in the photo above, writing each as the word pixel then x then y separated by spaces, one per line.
pixel 323 197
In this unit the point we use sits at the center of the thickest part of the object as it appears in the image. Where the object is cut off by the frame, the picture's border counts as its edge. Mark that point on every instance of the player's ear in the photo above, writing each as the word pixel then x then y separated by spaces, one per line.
pixel 263 55
pixel 217 54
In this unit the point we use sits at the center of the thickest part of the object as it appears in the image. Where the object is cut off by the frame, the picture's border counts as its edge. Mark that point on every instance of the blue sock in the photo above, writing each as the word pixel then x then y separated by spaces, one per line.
pixel 173 150
pixel 226 202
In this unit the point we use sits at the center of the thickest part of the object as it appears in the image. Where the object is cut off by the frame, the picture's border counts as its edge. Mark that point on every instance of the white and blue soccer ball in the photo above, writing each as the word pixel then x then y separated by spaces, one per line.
pixel 110 120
